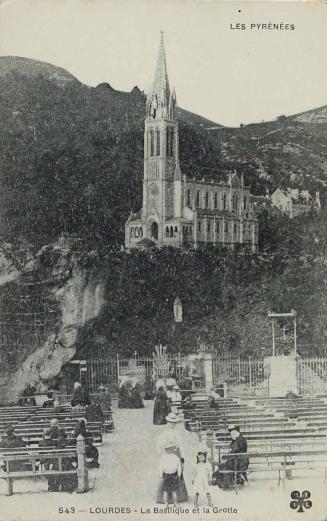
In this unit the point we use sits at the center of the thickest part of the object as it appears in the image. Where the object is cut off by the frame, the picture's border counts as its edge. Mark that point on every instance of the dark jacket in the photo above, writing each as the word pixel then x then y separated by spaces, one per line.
pixel 238 446
pixel 161 408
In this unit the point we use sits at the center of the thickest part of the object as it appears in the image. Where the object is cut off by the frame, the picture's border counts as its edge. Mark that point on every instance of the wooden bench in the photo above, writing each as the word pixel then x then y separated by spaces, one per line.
pixel 34 469
pixel 279 461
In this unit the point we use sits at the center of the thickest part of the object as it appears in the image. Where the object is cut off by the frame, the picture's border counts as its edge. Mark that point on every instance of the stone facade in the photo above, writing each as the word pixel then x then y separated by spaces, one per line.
pixel 178 211
pixel 294 202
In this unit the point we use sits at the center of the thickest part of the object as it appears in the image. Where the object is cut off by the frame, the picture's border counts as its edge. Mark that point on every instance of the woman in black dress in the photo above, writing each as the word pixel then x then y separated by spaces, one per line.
pixel 161 407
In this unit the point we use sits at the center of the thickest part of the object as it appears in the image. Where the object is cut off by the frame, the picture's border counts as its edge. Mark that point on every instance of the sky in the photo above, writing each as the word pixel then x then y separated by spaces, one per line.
pixel 229 76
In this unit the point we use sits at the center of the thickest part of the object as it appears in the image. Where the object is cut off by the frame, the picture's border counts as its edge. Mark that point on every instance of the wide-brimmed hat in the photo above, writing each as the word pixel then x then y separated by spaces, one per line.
pixel 233 427
pixel 172 418
pixel 170 382
pixel 169 445
pixel 202 449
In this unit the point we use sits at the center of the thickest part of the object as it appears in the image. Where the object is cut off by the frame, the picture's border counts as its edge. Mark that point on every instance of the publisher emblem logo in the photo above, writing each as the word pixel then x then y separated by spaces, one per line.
pixel 300 501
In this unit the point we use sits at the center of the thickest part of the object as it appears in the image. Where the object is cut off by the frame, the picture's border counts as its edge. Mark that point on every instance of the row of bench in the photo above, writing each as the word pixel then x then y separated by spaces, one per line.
pixel 281 433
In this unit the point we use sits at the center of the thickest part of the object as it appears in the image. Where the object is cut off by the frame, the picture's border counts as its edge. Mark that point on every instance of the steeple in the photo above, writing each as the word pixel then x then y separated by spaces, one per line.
pixel 160 101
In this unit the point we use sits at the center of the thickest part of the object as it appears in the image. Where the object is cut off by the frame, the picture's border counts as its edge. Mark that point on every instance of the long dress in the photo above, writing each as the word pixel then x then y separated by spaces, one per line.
pixel 124 401
pixel 173 437
pixel 161 408
pixel 136 398
pixel 201 479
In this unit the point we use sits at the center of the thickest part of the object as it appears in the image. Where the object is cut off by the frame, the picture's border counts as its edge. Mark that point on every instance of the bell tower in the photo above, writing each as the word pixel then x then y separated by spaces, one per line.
pixel 161 164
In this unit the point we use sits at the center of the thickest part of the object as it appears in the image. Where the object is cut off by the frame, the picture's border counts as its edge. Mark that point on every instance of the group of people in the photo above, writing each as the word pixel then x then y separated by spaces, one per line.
pixel 172 487
pixel 130 394
pixel 167 399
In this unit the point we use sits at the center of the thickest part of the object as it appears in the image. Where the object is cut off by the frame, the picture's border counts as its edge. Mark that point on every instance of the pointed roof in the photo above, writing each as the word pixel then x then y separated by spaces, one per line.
pixel 160 87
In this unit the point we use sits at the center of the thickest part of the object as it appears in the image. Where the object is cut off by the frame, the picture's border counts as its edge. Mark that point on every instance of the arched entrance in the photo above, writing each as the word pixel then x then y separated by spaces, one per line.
pixel 154 231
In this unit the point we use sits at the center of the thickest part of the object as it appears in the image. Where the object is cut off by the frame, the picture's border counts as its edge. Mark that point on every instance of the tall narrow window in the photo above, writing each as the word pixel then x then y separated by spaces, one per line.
pixel 197 199
pixel 216 201
pixel 199 226
pixel 169 142
pixel 224 201
pixel 226 227
pixel 151 142
pixel 207 199
pixel 157 142
pixel 244 202
pixel 208 226
pixel 235 229
pixel 217 226
pixel 189 198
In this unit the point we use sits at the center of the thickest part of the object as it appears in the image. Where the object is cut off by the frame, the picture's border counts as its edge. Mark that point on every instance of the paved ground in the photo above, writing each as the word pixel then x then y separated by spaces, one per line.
pixel 128 477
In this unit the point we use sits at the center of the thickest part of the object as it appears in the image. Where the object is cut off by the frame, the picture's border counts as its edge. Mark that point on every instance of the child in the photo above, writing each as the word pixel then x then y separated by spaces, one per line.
pixel 170 470
pixel 202 478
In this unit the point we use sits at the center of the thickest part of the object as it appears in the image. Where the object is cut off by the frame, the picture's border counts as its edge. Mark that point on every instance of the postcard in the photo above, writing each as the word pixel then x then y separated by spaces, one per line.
pixel 163 298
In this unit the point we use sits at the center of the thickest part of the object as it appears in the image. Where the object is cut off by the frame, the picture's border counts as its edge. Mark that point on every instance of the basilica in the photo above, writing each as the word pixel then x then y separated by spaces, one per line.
pixel 178 211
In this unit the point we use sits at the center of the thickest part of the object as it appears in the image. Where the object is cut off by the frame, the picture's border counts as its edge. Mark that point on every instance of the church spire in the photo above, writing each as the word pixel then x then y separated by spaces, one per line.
pixel 161 84
pixel 160 101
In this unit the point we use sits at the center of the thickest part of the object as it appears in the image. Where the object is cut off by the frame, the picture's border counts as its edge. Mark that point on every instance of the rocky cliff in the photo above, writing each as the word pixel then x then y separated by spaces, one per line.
pixel 46 300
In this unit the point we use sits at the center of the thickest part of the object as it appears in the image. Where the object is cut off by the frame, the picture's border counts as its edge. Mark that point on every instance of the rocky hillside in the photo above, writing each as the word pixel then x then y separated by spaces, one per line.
pixel 72 155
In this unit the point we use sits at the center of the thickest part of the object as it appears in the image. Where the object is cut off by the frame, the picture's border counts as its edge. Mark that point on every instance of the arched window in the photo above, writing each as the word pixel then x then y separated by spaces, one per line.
pixel 189 198
pixel 171 232
pixel 207 199
pixel 224 201
pixel 216 200
pixel 235 229
pixel 167 231
pixel 157 142
pixel 140 232
pixel 176 231
pixel 151 142
pixel 197 199
pixel 154 231
pixel 132 233
pixel 244 202
pixel 136 233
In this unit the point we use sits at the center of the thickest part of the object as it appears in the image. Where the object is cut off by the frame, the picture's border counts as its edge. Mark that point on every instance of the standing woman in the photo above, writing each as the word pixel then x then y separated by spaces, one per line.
pixel 171 436
pixel 161 407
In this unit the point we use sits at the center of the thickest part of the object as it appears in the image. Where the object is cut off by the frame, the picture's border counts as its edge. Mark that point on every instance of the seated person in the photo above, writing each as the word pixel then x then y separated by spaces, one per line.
pixel 28 395
pixel 91 452
pixel 93 412
pixel 214 398
pixel 55 430
pixel 80 396
pixel 11 441
pixel 68 482
pixel 50 400
pixel 104 398
pixel 225 480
